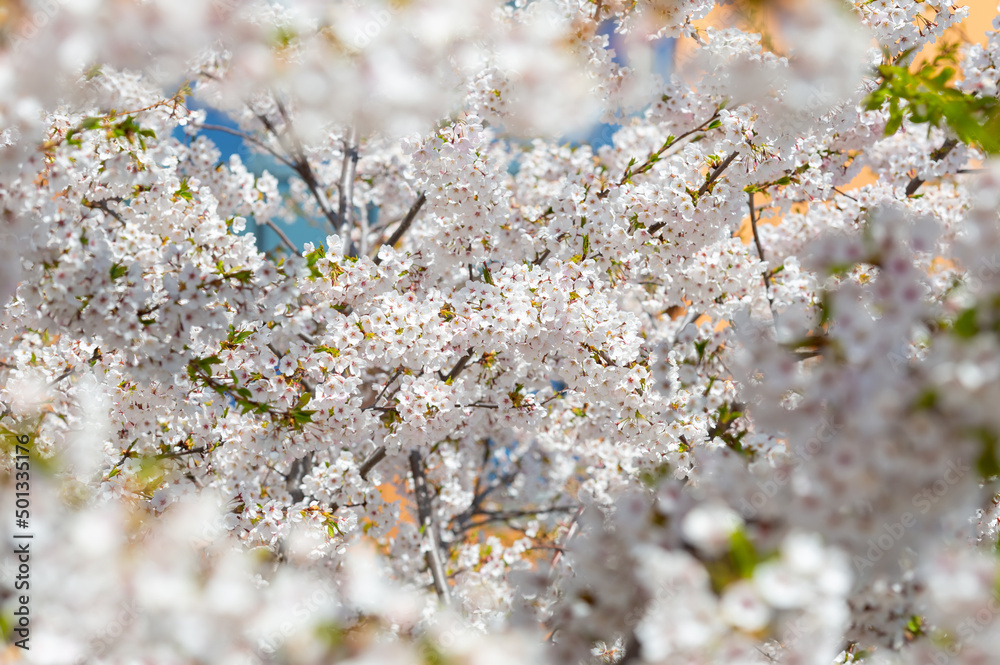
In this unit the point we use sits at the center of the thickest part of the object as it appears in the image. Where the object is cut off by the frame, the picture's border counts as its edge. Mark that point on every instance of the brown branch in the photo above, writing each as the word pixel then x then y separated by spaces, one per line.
pixel 62 376
pixel 281 234
pixel 760 249
pixel 125 455
pixel 502 516
pixel 405 224
pixel 301 163
pixel 845 194
pixel 253 139
pixel 300 467
pixel 936 156
pixel 399 370
pixel 704 188
pixel 570 532
pixel 366 467
pixel 717 172
pixel 541 259
pixel 345 195
pixel 103 205
pixel 184 453
pixel 428 527
pixel 458 368
pixel 653 158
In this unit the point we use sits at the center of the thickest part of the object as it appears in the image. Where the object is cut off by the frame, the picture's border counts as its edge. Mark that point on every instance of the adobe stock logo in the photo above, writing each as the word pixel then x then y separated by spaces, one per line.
pixel 768 489
pixel 375 22
pixel 892 532
pixel 41 15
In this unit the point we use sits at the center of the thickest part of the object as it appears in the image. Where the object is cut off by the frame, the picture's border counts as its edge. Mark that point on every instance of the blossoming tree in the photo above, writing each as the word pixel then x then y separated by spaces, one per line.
pixel 687 393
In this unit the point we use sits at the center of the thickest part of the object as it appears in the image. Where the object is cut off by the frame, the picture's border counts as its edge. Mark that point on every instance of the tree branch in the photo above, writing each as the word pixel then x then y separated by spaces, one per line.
pixel 103 205
pixel 345 203
pixel 281 234
pixel 653 158
pixel 366 467
pixel 428 527
pixel 405 224
pixel 502 516
pixel 399 370
pixel 458 368
pixel 937 156
pixel 66 372
pixel 301 164
pixel 300 467
pixel 251 138
pixel 760 253
pixel 704 188
pixel 718 172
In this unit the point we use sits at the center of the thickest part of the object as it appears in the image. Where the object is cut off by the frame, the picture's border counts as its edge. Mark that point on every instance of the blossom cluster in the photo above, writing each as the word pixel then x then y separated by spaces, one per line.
pixel 720 388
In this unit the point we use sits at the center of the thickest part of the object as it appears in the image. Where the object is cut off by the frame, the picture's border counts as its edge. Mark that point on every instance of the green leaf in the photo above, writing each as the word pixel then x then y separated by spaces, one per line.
pixel 239 337
pixel 965 325
pixel 243 276
pixel 206 363
pixel 184 192
pixel 742 554
pixel 301 417
pixel 987 465
pixel 118 270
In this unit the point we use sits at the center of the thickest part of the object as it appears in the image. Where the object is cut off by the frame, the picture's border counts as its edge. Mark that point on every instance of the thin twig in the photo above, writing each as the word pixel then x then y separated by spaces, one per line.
pixel 502 516
pixel 653 158
pixel 125 455
pixel 541 259
pixel 844 194
pixel 253 139
pixel 704 188
pixel 573 526
pixel 281 234
pixel 395 375
pixel 183 453
pixel 62 376
pixel 760 253
pixel 103 205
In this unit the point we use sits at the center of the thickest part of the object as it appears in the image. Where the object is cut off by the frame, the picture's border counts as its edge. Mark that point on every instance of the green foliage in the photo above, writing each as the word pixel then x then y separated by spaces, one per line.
pixel 127 129
pixel 312 258
pixel 987 465
pixel 184 191
pixel 118 270
pixel 488 275
pixel 737 564
pixel 965 325
pixel 237 337
pixel 928 96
